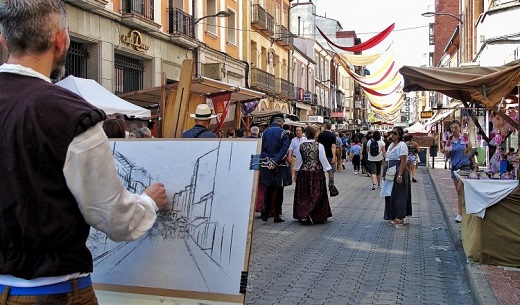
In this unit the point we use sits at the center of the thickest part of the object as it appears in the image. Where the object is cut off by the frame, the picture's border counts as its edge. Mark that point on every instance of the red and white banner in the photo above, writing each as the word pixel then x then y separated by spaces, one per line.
pixel 221 102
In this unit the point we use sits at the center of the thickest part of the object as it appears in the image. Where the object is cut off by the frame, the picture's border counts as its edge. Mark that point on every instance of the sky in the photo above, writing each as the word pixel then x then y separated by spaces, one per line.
pixel 369 17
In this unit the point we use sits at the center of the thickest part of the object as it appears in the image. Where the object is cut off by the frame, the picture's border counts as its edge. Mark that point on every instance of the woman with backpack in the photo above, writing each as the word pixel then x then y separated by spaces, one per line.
pixel 376 155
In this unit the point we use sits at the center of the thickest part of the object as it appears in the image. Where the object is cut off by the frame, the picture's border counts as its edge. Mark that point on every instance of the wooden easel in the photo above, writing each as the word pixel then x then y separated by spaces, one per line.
pixel 176 105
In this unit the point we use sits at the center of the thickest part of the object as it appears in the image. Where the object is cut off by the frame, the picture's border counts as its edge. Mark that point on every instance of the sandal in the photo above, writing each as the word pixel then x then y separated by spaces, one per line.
pixel 398 221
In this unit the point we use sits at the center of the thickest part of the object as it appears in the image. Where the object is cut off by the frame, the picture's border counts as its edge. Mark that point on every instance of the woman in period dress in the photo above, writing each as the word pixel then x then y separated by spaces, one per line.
pixel 399 204
pixel 311 199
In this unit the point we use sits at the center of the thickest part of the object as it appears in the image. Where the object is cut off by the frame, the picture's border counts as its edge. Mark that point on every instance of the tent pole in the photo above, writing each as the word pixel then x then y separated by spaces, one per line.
pixel 475 121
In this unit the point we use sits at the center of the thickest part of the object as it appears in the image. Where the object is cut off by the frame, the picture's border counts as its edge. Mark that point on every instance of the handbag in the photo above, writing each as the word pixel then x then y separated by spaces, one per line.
pixel 390 173
pixel 333 191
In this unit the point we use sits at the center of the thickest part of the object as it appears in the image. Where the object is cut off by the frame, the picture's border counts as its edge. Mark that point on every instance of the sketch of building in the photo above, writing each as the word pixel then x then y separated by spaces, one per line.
pixel 134 178
pixel 189 223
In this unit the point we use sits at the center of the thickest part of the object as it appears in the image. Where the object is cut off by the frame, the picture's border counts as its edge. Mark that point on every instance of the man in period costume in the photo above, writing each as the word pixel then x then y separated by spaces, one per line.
pixel 57 168
pixel 276 173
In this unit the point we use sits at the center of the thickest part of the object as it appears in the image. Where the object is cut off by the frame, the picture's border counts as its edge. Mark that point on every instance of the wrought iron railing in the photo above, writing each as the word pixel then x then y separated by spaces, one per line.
pixel 262 80
pixel 283 36
pixel 139 7
pixel 262 19
pixel 180 22
pixel 284 88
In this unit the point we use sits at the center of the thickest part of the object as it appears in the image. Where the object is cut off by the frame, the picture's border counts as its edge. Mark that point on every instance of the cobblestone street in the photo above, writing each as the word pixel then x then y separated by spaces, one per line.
pixel 357 257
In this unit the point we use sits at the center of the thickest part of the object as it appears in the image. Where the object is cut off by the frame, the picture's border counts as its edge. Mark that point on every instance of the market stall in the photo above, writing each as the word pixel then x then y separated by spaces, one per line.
pixel 495 238
pixel 490 224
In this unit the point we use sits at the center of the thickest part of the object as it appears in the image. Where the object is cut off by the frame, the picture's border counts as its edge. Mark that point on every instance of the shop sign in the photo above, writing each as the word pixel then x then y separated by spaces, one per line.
pixel 426 114
pixel 338 114
pixel 135 39
pixel 315 119
pixel 307 97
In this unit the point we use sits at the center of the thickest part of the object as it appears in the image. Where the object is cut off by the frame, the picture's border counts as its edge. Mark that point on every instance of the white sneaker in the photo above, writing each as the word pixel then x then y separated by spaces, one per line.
pixel 355 173
pixel 458 218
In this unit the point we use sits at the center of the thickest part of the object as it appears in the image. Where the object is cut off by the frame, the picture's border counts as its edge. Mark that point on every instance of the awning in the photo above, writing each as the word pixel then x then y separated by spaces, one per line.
pixel 202 86
pixel 303 106
pixel 440 115
pixel 485 85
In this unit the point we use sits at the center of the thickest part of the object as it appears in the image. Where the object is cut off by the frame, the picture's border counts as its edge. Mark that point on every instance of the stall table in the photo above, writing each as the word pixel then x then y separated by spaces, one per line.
pixel 491 221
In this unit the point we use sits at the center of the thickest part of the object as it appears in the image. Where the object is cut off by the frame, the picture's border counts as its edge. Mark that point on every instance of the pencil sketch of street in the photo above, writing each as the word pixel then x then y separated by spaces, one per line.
pixel 199 241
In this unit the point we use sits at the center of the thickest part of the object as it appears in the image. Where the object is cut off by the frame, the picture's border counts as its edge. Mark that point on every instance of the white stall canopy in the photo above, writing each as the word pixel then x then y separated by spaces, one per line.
pixel 100 97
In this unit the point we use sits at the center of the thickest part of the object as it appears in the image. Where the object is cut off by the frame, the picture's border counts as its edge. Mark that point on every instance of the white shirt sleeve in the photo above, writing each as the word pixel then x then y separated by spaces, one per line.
pixel 293 144
pixel 323 158
pixel 403 149
pixel 298 163
pixel 106 205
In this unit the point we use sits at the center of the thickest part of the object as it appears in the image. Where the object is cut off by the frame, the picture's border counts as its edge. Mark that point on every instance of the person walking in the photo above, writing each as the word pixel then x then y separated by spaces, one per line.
pixel 397 191
pixel 58 172
pixel 276 174
pixel 454 150
pixel 311 199
pixel 203 116
pixel 355 154
pixel 293 150
pixel 338 151
pixel 376 155
pixel 328 139
pixel 413 155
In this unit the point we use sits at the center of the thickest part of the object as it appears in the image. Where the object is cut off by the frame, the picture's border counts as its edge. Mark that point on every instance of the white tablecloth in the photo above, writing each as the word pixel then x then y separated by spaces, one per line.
pixel 483 193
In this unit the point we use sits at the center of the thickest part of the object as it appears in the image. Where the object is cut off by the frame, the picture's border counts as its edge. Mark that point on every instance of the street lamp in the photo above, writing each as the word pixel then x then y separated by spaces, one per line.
pixel 433 14
pixel 224 14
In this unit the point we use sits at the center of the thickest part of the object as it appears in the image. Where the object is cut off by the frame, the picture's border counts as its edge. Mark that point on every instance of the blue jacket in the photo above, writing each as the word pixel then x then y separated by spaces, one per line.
pixel 275 143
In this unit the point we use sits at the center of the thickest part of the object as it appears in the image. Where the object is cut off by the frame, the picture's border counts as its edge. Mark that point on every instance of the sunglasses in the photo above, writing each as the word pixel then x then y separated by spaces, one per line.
pixel 393 132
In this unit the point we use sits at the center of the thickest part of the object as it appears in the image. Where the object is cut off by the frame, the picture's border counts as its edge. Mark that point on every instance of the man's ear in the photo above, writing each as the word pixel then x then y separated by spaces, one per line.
pixel 61 41
pixel 3 44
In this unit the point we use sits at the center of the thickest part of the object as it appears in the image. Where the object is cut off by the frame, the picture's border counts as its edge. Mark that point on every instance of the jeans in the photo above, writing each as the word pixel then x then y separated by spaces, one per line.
pixel 330 162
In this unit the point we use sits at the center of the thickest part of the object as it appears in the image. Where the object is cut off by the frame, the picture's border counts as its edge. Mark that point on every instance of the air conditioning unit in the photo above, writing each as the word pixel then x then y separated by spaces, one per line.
pixel 213 70
pixel 482 38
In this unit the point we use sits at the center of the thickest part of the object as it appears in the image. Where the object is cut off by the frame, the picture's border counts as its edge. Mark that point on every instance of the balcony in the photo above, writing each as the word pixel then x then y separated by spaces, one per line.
pixel 262 21
pixel 90 5
pixel 284 88
pixel 284 38
pixel 262 81
pixel 139 14
pixel 181 28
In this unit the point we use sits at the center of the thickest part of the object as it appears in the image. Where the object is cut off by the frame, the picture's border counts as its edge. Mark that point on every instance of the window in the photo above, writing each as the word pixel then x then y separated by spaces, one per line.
pixel 231 28
pixel 128 74
pixel 432 33
pixel 76 62
pixel 140 7
pixel 211 9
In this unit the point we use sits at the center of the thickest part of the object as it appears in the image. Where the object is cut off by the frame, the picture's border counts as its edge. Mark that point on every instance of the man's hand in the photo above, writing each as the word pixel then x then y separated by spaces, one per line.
pixel 157 192
pixel 271 164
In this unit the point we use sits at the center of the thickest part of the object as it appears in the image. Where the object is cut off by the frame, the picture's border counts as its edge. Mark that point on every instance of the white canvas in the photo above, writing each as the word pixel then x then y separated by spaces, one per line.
pixel 199 243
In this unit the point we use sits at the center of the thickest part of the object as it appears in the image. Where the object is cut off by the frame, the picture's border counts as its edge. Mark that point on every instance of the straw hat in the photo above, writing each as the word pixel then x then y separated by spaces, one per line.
pixel 203 112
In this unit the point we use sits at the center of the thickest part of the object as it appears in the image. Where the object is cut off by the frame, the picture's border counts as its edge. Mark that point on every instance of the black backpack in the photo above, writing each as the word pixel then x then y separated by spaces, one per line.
pixel 374 148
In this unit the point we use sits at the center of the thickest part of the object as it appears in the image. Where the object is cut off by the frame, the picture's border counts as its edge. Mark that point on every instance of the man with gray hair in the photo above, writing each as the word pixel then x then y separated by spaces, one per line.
pixel 52 190
pixel 253 133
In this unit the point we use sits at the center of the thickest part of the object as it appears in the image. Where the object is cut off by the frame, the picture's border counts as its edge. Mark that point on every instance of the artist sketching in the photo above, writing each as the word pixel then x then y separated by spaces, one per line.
pixel 203 117
pixel 58 173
